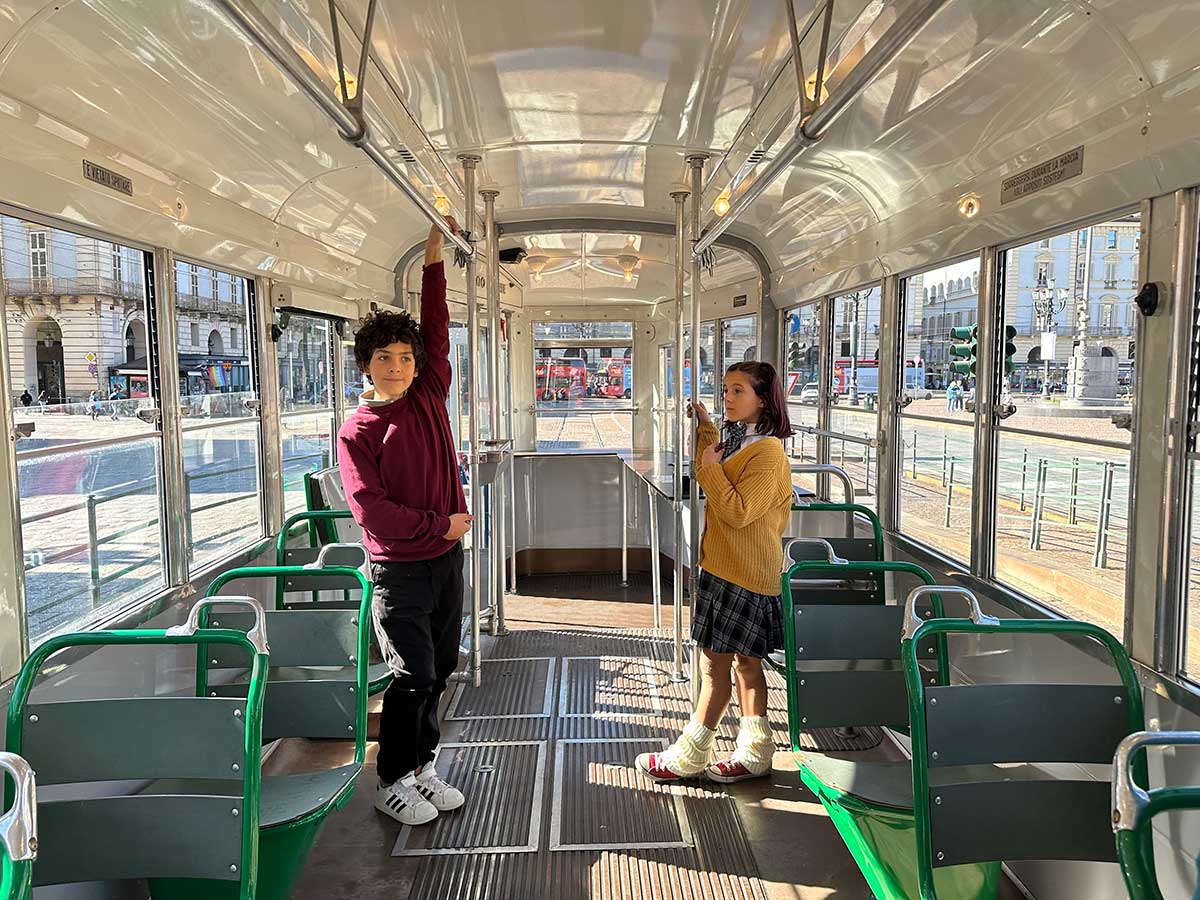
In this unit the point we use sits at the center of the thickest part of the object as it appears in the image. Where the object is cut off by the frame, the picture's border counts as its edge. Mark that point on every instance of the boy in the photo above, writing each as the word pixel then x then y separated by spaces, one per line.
pixel 399 468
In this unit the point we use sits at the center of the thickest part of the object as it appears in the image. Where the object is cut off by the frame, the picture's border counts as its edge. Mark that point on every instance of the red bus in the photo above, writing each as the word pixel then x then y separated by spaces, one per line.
pixel 560 378
pixel 614 379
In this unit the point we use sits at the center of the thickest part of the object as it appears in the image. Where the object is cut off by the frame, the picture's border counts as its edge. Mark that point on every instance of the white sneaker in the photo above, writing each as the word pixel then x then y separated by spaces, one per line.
pixel 402 802
pixel 444 797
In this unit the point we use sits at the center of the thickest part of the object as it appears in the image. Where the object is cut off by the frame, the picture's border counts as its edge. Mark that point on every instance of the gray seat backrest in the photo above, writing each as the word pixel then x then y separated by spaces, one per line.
pixel 332 495
pixel 86 743
pixel 974 820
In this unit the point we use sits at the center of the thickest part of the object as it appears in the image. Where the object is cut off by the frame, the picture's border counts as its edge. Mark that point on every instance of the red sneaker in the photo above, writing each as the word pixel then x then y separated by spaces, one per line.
pixel 727 771
pixel 655 766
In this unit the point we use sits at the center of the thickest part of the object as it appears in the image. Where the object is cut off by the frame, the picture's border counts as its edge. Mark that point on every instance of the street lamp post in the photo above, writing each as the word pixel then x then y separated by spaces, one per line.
pixel 1047 303
pixel 854 301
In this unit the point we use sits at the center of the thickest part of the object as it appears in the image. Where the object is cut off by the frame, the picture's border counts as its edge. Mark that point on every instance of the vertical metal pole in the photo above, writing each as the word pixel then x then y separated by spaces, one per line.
pixel 825 389
pixel 267 363
pixel 14 640
pixel 166 338
pixel 696 161
pixel 495 407
pixel 512 520
pixel 945 457
pixel 914 459
pixel 624 523
pixel 475 665
pixel 1103 517
pixel 889 445
pixel 93 551
pixel 655 572
pixel 677 673
pixel 985 450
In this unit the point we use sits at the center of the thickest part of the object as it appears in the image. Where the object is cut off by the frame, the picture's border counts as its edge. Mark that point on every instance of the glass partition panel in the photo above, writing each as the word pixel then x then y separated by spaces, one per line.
pixel 583 392
pixel 1063 486
pixel 937 449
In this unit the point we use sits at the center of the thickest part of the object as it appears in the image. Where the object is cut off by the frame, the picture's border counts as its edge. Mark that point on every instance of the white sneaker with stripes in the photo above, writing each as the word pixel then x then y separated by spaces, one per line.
pixel 443 796
pixel 403 802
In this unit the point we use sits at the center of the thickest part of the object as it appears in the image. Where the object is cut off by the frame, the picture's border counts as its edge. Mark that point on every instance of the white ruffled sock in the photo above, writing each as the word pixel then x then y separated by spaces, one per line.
pixel 755 744
pixel 691 751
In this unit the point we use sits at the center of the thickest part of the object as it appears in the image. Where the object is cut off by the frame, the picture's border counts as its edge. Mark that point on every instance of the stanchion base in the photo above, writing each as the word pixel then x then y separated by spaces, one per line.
pixel 678 678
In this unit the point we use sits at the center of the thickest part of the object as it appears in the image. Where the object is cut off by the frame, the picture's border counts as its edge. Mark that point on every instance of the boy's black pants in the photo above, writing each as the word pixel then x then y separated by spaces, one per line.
pixel 417 608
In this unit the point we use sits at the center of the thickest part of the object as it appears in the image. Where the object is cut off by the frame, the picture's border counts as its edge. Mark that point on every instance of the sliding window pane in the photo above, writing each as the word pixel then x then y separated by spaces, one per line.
pixel 1063 485
pixel 88 467
pixel 217 387
pixel 306 402
pixel 854 419
pixel 937 449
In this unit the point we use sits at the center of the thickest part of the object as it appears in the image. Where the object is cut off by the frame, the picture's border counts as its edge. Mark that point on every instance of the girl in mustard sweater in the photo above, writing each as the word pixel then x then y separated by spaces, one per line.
pixel 738 619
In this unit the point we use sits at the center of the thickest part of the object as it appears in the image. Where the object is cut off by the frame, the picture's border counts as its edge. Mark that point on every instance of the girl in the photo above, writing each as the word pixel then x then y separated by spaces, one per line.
pixel 738 619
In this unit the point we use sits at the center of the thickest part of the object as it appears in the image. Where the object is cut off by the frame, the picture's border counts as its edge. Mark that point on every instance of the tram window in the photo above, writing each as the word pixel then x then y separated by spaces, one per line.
pixel 708 364
pixel 937 448
pixel 305 402
pixel 854 417
pixel 1063 479
pixel 91 522
pixel 221 442
pixel 802 355
pixel 584 390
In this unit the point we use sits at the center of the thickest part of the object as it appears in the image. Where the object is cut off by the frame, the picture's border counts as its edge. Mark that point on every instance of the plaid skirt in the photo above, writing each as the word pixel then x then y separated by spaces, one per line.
pixel 731 619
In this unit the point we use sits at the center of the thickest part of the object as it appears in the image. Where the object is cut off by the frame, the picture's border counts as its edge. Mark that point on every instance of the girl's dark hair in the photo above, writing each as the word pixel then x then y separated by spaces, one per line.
pixel 383 328
pixel 774 419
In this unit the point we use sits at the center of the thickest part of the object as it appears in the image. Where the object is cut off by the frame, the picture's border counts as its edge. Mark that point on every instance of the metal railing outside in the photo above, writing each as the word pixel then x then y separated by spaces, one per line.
pixel 56 285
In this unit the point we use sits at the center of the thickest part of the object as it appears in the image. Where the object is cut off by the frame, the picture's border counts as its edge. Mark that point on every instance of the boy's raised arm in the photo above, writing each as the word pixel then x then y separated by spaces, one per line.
pixel 435 317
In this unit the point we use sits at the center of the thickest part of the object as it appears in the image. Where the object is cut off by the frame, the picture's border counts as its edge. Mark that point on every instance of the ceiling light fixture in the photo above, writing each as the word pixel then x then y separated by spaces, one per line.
pixel 442 204
pixel 628 259
pixel 721 204
pixel 969 205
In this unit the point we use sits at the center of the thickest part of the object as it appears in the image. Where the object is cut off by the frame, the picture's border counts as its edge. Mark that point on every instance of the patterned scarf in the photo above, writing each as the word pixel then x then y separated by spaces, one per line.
pixel 732 436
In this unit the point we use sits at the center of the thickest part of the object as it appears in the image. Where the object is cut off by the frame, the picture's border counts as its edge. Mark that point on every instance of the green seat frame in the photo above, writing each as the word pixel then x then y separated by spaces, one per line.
pixel 379 675
pixel 118 832
pixel 303 699
pixel 1134 807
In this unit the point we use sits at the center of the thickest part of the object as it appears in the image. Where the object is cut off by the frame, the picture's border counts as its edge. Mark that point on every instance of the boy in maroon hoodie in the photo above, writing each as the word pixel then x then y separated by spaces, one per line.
pixel 399 468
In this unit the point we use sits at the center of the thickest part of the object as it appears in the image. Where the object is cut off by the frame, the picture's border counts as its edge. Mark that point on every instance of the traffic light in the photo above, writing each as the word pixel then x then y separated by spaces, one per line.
pixel 964 353
pixel 795 357
pixel 1010 348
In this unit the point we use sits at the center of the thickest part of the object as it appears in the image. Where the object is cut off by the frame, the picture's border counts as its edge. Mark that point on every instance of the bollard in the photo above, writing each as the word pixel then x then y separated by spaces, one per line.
pixel 1024 469
pixel 1071 502
pixel 945 456
pixel 949 493
pixel 93 551
pixel 1100 553
pixel 914 461
pixel 1039 504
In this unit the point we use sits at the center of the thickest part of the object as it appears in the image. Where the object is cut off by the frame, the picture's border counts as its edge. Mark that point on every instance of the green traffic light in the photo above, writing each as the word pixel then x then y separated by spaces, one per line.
pixel 963 333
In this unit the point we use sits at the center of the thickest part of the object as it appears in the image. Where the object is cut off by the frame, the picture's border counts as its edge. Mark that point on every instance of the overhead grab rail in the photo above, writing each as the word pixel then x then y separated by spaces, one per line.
pixel 812 129
pixel 348 116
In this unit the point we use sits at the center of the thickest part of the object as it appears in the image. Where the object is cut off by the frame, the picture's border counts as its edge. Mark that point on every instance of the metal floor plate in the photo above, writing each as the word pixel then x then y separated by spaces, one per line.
pixel 601 802
pixel 505 781
pixel 513 688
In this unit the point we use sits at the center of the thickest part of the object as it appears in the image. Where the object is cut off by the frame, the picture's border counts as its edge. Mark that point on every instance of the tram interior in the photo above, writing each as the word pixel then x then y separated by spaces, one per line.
pixel 964 232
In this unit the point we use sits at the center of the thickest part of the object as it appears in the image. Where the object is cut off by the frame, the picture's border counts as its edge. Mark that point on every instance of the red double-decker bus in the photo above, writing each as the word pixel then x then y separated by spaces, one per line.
pixel 560 378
